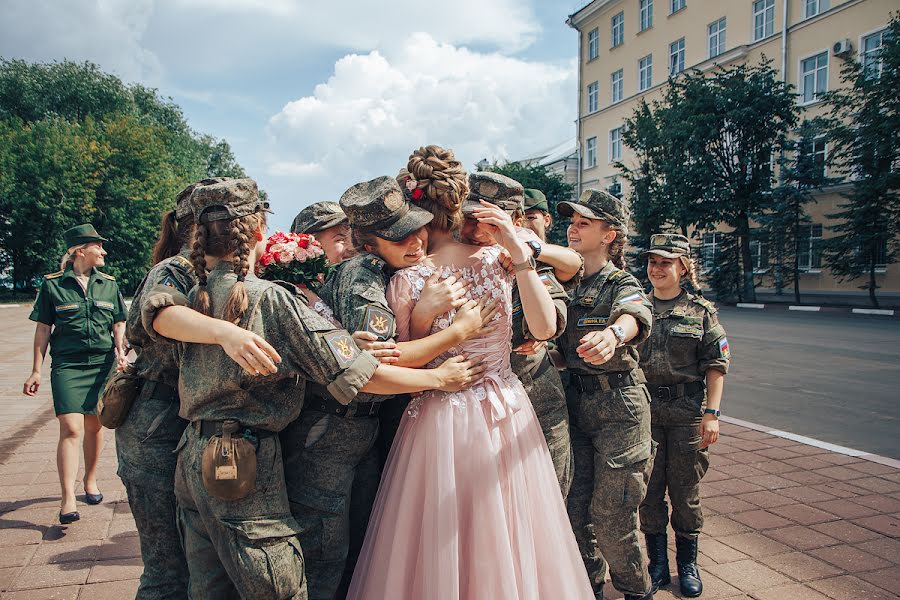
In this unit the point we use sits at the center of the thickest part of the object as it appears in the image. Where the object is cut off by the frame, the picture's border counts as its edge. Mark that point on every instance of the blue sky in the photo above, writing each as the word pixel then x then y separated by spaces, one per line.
pixel 315 96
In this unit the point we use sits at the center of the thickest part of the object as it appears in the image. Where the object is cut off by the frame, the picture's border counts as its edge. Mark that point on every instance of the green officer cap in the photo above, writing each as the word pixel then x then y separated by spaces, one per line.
pixel 317 217
pixel 668 245
pixel 379 206
pixel 597 204
pixel 226 199
pixel 535 199
pixel 183 199
pixel 82 234
pixel 497 189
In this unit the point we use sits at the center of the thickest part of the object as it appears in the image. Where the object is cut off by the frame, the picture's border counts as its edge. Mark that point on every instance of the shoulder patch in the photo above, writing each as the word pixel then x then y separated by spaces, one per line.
pixel 54 275
pixel 181 262
pixel 374 263
pixel 709 306
pixel 723 349
pixel 379 321
pixel 550 283
pixel 342 347
pixel 106 276
pixel 617 275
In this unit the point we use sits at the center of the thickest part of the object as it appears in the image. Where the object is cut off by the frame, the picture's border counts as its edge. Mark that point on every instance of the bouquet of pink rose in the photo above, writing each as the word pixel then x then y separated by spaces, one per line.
pixel 297 258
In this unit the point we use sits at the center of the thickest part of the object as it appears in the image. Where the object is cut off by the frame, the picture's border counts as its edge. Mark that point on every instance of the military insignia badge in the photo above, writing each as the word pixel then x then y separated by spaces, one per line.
pixel 169 281
pixel 517 308
pixel 689 330
pixel 550 284
pixel 380 322
pixel 632 298
pixel 342 347
pixel 393 200
pixel 106 305
pixel 592 321
pixel 723 348
pixel 488 189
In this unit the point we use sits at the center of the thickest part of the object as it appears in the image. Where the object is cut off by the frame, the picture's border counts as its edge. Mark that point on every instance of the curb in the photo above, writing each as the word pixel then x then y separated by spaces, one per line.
pixel 808 441
pixel 10 305
pixel 829 309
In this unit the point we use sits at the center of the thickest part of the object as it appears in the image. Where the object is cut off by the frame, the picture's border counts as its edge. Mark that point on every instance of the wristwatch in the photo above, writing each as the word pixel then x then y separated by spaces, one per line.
pixel 712 411
pixel 619 333
pixel 536 248
pixel 528 265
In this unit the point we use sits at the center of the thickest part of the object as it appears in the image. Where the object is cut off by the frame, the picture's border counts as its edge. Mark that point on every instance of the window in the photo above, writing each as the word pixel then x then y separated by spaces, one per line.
pixel 591 153
pixel 676 5
pixel 709 248
pixel 881 255
pixel 615 144
pixel 759 253
pixel 676 57
pixel 645 73
pixel 593 97
pixel 810 255
pixel 818 148
pixel 593 44
pixel 618 29
pixel 615 189
pixel 814 7
pixel 616 85
pixel 871 54
pixel 813 77
pixel 763 19
pixel 646 14
pixel 717 37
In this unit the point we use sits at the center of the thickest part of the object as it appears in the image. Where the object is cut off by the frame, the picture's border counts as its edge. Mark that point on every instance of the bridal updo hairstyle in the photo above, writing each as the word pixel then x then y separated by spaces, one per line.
pixel 434 180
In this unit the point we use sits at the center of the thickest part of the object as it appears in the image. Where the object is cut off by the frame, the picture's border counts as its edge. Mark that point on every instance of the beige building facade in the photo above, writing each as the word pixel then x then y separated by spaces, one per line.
pixel 629 48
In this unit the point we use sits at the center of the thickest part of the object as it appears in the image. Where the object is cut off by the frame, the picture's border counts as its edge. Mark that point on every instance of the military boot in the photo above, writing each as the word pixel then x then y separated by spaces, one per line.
pixel 688 573
pixel 647 596
pixel 659 559
pixel 598 595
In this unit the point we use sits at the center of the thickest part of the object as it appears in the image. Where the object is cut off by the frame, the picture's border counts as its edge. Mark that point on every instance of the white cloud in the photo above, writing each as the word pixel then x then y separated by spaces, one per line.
pixel 378 107
pixel 293 169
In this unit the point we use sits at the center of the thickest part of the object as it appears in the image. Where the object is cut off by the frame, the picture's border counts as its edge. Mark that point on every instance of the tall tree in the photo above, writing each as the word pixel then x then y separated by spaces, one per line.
pixel 865 121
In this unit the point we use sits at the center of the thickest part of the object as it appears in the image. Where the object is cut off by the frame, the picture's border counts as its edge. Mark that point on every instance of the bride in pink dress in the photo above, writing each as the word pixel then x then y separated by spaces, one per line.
pixel 469 505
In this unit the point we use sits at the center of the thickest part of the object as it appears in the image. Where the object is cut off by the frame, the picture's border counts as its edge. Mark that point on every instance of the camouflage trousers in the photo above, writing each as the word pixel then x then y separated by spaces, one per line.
pixel 332 478
pixel 679 466
pixel 545 391
pixel 246 548
pixel 613 453
pixel 144 446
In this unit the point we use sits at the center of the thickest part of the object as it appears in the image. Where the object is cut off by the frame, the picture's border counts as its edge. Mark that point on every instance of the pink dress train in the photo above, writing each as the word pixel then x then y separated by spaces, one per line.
pixel 469 506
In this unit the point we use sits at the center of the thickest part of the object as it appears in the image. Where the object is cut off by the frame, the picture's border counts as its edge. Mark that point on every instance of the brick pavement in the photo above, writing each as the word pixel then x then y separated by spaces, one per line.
pixel 784 520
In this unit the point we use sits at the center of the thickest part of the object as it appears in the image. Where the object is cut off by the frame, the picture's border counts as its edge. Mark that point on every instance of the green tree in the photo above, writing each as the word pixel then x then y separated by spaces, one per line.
pixel 865 119
pixel 553 185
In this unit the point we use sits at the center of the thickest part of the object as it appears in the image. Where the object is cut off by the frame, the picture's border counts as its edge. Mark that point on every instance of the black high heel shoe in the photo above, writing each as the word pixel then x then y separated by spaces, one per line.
pixel 93 498
pixel 69 517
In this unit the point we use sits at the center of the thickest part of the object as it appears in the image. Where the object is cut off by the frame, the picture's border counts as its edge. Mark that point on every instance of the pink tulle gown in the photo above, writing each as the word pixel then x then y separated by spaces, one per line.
pixel 469 505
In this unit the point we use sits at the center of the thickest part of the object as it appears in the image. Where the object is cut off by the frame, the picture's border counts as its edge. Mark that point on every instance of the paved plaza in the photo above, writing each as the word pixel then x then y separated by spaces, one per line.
pixel 784 520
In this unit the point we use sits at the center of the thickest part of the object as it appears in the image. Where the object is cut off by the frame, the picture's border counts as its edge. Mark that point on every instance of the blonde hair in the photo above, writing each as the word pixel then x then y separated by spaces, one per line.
pixel 220 239
pixel 69 257
pixel 444 184
pixel 691 269
pixel 616 252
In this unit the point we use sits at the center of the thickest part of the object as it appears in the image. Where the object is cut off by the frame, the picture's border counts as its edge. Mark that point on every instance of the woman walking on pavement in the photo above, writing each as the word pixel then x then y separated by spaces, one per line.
pixel 685 360
pixel 80 314
pixel 609 408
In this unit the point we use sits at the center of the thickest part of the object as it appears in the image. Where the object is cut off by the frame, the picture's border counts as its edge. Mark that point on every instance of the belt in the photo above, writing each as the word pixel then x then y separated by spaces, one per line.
pixel 606 381
pixel 212 428
pixel 664 393
pixel 354 410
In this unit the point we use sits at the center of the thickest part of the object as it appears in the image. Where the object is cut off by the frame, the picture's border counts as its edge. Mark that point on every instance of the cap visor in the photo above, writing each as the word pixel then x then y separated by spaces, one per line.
pixel 566 209
pixel 469 206
pixel 415 219
pixel 662 253
pixel 332 221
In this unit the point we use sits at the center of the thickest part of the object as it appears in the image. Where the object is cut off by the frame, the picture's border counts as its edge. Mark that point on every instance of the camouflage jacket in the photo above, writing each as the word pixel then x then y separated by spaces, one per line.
pixel 520 333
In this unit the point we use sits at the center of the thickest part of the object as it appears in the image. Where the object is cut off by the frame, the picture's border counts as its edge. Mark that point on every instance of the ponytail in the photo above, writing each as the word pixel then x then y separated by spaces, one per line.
pixel 690 276
pixel 173 236
pixel 616 252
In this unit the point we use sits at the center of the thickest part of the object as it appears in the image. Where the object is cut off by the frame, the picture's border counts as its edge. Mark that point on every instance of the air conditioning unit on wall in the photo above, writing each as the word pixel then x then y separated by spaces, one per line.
pixel 842 47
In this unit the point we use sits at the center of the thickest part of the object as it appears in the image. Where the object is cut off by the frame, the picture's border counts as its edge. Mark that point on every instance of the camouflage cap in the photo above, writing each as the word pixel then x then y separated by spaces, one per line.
pixel 183 199
pixel 379 206
pixel 496 189
pixel 82 234
pixel 318 217
pixel 597 204
pixel 668 245
pixel 535 199
pixel 226 199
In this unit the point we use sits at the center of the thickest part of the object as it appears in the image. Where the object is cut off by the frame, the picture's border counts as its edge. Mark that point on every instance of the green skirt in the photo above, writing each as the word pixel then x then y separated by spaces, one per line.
pixel 76 388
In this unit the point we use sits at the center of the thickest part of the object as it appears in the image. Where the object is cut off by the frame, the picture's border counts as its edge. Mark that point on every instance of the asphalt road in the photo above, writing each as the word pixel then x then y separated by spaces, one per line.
pixel 832 377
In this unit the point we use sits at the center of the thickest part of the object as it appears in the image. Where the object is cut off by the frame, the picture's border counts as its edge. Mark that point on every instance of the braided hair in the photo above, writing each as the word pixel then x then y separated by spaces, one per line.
pixel 616 250
pixel 443 182
pixel 690 276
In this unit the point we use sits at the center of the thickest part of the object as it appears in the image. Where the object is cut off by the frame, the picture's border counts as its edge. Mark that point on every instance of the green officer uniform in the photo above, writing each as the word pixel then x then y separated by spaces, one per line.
pixel 540 380
pixel 248 547
pixel 610 417
pixel 318 217
pixel 332 467
pixel 687 340
pixel 81 343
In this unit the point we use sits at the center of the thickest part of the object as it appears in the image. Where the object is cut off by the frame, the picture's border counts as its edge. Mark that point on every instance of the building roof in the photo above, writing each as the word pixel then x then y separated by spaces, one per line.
pixel 548 156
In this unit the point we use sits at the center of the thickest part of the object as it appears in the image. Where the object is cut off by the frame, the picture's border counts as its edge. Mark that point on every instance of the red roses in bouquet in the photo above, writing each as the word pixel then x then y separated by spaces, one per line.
pixel 297 258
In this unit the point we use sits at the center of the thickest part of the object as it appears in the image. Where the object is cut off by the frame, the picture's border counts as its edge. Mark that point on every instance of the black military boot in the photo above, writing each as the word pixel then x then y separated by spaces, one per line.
pixel 598 595
pixel 688 573
pixel 659 559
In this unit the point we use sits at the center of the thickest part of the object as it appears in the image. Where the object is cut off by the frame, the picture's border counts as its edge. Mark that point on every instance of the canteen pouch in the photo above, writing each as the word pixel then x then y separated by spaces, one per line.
pixel 229 464
pixel 122 387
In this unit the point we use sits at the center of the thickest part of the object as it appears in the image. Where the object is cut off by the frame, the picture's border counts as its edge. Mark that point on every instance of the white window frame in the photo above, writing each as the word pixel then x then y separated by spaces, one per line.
pixel 645 71
pixel 864 55
pixel 593 43
pixel 593 94
pixel 590 152
pixel 617 30
pixel 820 140
pixel 801 84
pixel 763 19
pixel 709 246
pixel 676 5
pixel 676 57
pixel 615 144
pixel 645 15
pixel 812 8
pixel 813 248
pixel 720 37
pixel 617 86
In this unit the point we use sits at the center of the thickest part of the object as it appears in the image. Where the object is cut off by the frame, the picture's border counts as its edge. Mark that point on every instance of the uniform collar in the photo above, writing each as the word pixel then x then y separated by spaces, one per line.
pixel 70 272
pixel 677 309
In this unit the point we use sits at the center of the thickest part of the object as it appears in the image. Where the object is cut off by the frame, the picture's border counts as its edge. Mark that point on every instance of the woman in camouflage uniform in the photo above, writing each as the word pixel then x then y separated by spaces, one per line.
pixel 685 361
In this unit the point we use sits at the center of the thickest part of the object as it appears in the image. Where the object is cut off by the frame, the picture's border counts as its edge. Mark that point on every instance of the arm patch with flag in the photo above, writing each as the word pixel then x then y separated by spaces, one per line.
pixel 723 348
pixel 632 298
